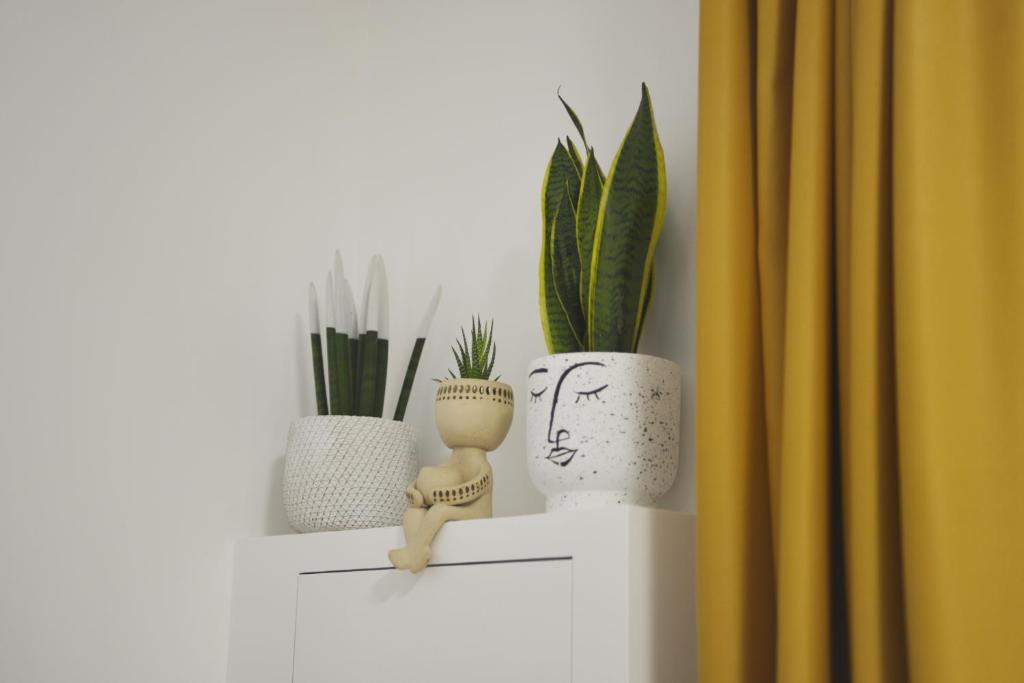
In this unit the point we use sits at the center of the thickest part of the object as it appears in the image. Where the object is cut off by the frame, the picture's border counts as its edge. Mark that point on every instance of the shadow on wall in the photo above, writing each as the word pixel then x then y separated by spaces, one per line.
pixel 274 519
pixel 669 334
pixel 303 378
pixel 680 495
pixel 669 644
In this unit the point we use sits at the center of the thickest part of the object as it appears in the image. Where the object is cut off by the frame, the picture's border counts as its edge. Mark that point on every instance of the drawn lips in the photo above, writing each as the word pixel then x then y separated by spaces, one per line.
pixel 562 456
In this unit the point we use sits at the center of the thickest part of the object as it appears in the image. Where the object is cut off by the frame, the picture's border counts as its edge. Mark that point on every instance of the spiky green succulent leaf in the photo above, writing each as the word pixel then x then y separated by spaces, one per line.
pixel 588 208
pixel 462 360
pixel 488 349
pixel 565 267
pixel 628 226
pixel 558 333
pixel 475 356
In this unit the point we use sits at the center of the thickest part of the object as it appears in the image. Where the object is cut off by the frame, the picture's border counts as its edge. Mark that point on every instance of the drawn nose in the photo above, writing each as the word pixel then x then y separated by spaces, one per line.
pixel 560 435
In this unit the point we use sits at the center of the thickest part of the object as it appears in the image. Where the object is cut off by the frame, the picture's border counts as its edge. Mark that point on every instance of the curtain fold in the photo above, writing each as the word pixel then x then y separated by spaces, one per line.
pixel 860 341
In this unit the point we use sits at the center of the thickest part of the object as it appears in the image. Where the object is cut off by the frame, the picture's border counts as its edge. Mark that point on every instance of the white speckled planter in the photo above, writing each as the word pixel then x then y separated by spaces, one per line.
pixel 602 428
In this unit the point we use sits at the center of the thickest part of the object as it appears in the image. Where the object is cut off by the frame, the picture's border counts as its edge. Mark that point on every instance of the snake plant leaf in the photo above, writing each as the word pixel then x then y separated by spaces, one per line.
pixel 382 377
pixel 410 376
pixel 417 353
pixel 574 154
pixel 368 373
pixel 319 381
pixel 339 348
pixel 560 171
pixel 628 227
pixel 575 120
pixel 565 267
pixel 643 311
pixel 588 207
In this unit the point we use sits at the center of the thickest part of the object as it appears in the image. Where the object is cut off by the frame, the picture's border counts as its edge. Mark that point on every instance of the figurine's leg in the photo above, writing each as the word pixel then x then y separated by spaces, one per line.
pixel 411 521
pixel 416 554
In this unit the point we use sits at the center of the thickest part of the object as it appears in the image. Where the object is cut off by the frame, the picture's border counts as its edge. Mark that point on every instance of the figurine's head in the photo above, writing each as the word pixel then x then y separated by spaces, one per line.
pixel 473 413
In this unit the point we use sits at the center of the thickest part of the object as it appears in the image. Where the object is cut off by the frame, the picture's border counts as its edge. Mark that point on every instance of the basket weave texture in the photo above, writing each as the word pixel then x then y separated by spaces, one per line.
pixel 345 472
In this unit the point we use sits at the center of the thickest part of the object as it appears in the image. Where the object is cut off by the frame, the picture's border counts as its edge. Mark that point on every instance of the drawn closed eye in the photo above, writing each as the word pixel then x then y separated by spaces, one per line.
pixel 592 394
pixel 535 395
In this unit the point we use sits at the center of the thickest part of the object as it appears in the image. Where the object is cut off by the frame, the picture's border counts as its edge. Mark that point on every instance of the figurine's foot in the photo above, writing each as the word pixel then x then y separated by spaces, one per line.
pixel 410 557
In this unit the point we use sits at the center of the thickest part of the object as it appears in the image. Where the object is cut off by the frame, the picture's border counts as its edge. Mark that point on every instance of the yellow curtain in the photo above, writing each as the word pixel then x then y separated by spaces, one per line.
pixel 860 344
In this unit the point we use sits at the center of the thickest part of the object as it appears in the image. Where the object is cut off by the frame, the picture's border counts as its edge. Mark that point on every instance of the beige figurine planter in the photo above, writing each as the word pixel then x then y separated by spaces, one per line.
pixel 473 417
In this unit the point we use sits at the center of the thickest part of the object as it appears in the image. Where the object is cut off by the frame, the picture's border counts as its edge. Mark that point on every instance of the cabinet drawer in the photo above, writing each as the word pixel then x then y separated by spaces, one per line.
pixel 494 621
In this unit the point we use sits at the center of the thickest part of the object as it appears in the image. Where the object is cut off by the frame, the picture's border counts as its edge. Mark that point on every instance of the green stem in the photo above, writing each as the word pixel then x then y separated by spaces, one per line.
pixel 357 373
pixel 368 373
pixel 382 377
pixel 410 375
pixel 340 351
pixel 332 373
pixel 354 376
pixel 319 383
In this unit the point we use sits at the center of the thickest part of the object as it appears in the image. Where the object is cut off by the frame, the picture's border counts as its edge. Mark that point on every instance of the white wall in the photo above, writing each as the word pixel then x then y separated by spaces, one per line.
pixel 171 176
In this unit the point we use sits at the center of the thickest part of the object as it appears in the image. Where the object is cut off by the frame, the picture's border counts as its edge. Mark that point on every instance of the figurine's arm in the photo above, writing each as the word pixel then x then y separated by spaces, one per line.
pixel 467 492
pixel 414 496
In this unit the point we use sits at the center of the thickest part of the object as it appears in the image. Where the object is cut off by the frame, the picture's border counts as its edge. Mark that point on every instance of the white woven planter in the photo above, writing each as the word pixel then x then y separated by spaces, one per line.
pixel 345 472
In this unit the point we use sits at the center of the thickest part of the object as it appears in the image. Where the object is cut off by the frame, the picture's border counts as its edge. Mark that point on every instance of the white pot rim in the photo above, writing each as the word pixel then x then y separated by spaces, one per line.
pixel 383 421
pixel 473 380
pixel 639 357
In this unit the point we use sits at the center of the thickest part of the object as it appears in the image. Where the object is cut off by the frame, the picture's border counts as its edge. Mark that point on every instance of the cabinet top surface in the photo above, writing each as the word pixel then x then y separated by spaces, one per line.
pixel 547 535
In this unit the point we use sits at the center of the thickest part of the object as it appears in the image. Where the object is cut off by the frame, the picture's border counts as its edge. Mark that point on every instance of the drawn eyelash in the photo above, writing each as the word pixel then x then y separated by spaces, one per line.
pixel 595 393
pixel 535 395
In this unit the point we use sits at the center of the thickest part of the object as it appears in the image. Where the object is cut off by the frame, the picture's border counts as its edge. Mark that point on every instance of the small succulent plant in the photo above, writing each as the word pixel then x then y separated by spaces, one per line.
pixel 475 357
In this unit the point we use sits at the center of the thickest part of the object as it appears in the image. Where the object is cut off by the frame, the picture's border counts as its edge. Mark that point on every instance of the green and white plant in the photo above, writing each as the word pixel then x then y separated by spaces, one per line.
pixel 599 235
pixel 356 345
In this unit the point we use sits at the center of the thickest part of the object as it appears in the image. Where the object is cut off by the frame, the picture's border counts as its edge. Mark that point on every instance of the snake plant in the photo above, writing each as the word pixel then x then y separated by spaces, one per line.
pixel 357 344
pixel 599 236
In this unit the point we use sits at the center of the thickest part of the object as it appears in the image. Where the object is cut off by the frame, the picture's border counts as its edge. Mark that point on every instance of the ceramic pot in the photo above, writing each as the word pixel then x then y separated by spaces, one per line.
pixel 346 472
pixel 602 428
pixel 473 413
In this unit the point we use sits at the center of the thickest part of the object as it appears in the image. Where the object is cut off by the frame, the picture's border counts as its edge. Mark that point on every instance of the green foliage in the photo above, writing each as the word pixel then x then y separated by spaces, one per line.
pixel 475 357
pixel 595 289
pixel 565 268
pixel 357 355
pixel 588 210
pixel 561 178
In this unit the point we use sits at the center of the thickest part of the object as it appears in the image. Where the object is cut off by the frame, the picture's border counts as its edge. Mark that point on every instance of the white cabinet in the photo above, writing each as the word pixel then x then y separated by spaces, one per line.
pixel 594 596
pixel 391 626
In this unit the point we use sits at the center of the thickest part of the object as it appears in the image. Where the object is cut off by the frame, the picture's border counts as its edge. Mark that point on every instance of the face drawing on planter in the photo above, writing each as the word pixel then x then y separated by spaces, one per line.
pixel 574 397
